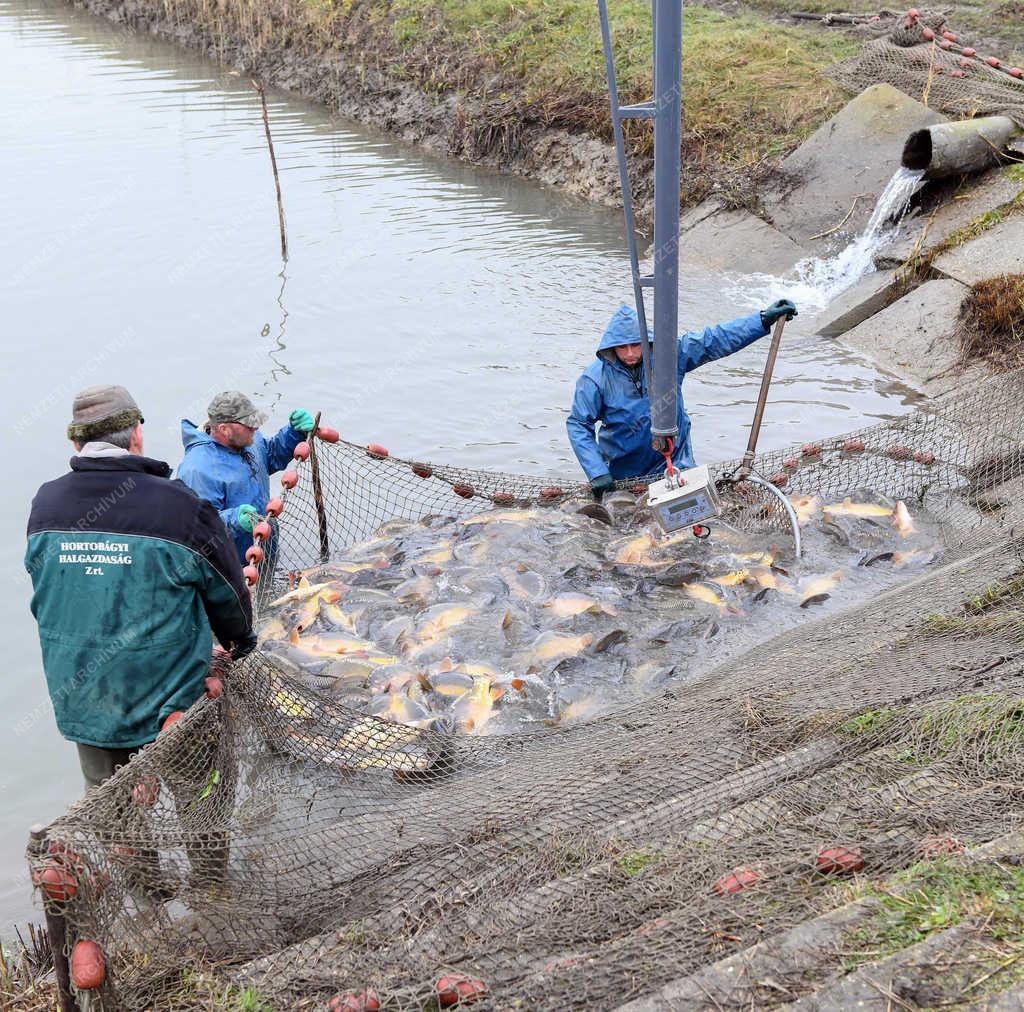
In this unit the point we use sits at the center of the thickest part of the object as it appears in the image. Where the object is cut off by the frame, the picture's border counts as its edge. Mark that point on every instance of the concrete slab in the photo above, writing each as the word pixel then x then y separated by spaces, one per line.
pixel 975 198
pixel 1000 250
pixel 913 337
pixel 737 241
pixel 859 302
pixel 855 153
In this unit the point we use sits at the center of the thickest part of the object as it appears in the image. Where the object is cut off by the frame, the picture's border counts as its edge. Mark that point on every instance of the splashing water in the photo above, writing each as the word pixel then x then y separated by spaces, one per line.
pixel 814 282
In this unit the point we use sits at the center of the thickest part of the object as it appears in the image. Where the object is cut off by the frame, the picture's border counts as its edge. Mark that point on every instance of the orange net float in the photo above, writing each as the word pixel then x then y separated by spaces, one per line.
pixel 503 498
pixel 455 989
pixel 172 718
pixel 900 452
pixel 949 36
pixel 289 479
pixel 927 34
pixel 993 61
pixel 146 792
pixel 355 1001
pixel 254 554
pixel 924 457
pixel 1015 72
pixel 88 967
pixel 790 463
pixel 376 451
pixel 735 881
pixel 839 860
pixel 261 531
pixel 551 493
pixel 251 574
pixel 56 881
pixel 274 508
pixel 214 687
pixel 968 51
pixel 779 480
pixel 421 470
pixel 327 434
pixel 301 451
pixel 463 489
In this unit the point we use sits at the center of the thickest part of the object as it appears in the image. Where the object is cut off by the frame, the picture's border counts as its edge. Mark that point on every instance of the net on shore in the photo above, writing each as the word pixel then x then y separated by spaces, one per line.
pixel 307 850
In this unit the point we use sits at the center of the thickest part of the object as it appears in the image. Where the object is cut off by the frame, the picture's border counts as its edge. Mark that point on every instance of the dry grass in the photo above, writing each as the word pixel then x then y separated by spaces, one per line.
pixel 992 322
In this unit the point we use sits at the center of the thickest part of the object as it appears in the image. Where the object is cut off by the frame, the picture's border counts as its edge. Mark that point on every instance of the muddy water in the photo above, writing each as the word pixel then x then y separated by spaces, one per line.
pixel 437 309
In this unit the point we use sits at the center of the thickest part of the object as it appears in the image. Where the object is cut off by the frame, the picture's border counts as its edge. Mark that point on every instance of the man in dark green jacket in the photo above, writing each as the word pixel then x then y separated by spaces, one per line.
pixel 133 576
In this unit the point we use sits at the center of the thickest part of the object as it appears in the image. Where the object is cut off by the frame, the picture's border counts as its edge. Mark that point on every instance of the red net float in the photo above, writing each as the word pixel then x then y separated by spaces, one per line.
pixel 779 480
pixel 811 450
pixel 790 463
pixel 422 470
pixel 949 36
pixel 289 480
pixel 214 687
pixel 924 457
pixel 121 853
pixel 503 498
pixel 993 61
pixel 56 881
pixel 945 44
pixel 88 967
pixel 376 451
pixel 900 452
pixel 551 493
pixel 1016 72
pixel 927 34
pixel 146 792
pixel 355 1001
pixel 839 860
pixel 940 846
pixel 261 531
pixel 957 73
pixel 274 508
pixel 254 554
pixel 968 51
pixel 463 489
pixel 735 881
pixel 454 989
pixel 913 13
pixel 301 451
pixel 327 434
pixel 172 718
pixel 251 574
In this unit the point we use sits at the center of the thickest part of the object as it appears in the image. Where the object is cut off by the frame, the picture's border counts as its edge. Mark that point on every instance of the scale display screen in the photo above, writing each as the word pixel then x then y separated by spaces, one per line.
pixel 690 510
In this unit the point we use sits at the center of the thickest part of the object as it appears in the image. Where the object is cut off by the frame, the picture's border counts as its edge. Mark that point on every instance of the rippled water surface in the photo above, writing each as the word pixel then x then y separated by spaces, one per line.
pixel 441 310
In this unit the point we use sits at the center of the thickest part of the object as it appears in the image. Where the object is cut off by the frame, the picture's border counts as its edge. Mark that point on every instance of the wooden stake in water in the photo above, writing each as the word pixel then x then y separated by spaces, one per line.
pixel 762 397
pixel 273 164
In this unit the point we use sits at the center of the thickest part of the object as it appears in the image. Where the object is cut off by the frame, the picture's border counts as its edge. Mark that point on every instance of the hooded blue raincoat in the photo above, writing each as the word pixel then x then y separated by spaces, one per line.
pixel 616 396
pixel 229 478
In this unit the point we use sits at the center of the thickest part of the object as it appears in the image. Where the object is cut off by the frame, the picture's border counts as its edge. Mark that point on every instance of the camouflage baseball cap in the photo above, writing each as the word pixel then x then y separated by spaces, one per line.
pixel 99 411
pixel 234 406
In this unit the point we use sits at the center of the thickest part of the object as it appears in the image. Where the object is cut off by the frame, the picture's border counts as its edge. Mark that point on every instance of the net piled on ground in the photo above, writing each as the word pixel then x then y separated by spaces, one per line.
pixel 958 85
pixel 306 849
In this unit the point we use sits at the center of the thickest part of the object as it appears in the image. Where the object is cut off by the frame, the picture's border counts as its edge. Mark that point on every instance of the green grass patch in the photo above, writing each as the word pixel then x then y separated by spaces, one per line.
pixel 635 861
pixel 940 894
pixel 870 721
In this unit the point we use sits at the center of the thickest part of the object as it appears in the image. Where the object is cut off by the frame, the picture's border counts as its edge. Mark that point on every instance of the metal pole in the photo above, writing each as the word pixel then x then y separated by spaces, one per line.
pixel 668 95
pixel 762 397
pixel 56 930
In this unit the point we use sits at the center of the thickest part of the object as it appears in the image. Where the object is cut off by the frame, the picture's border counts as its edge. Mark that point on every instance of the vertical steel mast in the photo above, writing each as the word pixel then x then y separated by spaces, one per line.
pixel 666 111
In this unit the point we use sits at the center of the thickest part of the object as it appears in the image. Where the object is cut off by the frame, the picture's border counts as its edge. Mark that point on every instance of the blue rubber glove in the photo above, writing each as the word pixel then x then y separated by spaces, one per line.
pixel 246 517
pixel 301 420
pixel 781 307
pixel 601 484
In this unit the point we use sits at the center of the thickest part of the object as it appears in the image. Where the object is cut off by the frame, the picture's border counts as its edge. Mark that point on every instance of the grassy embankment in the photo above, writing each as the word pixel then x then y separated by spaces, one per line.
pixel 753 89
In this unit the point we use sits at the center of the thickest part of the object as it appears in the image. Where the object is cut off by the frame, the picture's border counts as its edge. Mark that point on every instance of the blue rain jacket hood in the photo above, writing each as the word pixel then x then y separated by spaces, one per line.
pixel 615 396
pixel 229 478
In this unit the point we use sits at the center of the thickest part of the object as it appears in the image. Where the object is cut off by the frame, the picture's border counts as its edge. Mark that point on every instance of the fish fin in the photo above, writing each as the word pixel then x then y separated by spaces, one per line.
pixel 293 637
pixel 497 691
pixel 446 665
pixel 303 581
pixel 814 599
pixel 518 684
pixel 468 724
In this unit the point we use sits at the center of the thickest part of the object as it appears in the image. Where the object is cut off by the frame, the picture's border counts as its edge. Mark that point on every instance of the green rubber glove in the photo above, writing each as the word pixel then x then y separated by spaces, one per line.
pixel 301 420
pixel 781 307
pixel 246 517
pixel 601 484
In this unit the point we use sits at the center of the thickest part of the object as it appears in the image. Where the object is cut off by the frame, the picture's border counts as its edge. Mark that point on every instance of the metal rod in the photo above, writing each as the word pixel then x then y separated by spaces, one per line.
pixel 668 55
pixel 627 193
pixel 318 492
pixel 762 397
pixel 786 505
pixel 56 931
pixel 273 164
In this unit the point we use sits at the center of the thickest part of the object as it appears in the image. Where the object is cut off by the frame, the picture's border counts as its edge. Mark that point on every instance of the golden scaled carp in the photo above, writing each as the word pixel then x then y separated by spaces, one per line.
pixel 437 621
pixel 733 579
pixel 634 551
pixel 705 594
pixel 302 592
pixel 550 648
pixel 818 590
pixel 902 521
pixel 863 510
pixel 501 516
pixel 334 645
pixel 450 683
pixel 571 605
pixel 578 709
pixel 806 507
pixel 373 733
pixel 336 617
pixel 473 709
pixel 400 708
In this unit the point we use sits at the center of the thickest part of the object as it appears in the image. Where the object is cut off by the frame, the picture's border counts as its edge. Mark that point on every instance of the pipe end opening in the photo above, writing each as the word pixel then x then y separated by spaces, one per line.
pixel 917 152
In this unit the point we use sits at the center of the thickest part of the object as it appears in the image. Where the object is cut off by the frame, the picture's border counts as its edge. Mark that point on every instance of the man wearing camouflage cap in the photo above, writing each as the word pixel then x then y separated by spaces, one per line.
pixel 229 461
pixel 133 575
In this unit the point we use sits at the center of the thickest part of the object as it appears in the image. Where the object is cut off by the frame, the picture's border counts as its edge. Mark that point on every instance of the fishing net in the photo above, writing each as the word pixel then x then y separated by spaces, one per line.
pixel 928 62
pixel 297 846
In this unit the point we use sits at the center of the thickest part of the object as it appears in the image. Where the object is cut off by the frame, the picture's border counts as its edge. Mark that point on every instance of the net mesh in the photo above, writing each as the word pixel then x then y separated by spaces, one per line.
pixel 943 72
pixel 306 849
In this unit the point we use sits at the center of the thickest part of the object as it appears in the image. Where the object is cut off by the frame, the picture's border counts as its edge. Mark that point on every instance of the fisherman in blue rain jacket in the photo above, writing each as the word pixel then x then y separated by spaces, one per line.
pixel 229 461
pixel 613 391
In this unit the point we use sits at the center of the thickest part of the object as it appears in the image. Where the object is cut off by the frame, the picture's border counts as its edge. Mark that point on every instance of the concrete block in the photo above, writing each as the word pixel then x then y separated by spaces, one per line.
pixel 859 302
pixel 855 153
pixel 1000 250
pixel 978 196
pixel 913 338
pixel 740 242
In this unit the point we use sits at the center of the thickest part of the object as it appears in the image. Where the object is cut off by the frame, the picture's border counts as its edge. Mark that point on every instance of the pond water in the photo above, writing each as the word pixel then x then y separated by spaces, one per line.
pixel 442 310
